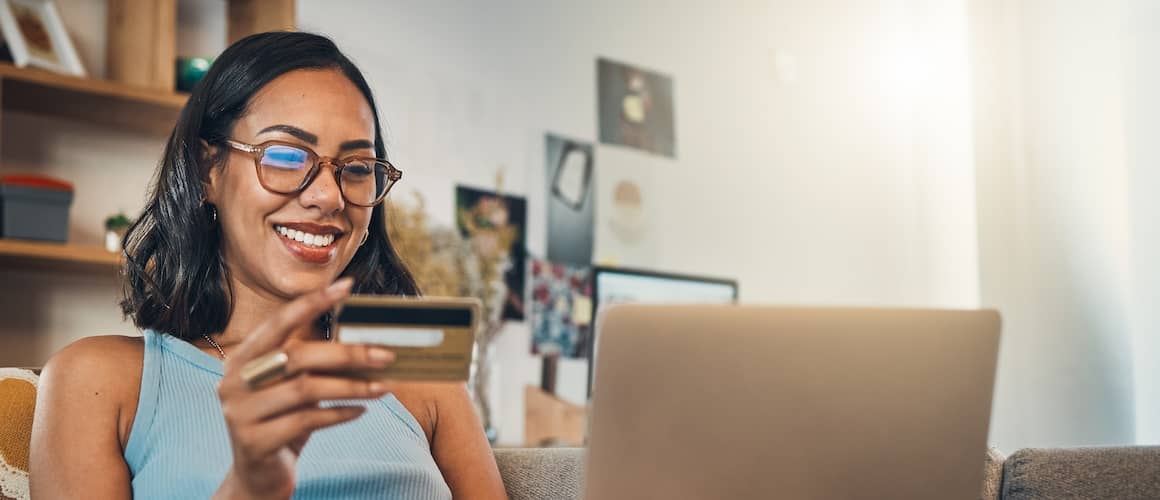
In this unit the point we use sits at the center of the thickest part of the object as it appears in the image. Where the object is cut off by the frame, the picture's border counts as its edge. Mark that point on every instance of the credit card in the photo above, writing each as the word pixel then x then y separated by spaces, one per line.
pixel 432 337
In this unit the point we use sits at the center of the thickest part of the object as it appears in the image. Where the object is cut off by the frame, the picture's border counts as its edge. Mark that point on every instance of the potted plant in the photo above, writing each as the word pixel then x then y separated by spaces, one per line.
pixel 115 227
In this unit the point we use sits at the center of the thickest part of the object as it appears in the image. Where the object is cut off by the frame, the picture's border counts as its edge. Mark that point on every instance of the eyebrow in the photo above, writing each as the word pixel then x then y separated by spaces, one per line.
pixel 356 144
pixel 313 139
pixel 294 131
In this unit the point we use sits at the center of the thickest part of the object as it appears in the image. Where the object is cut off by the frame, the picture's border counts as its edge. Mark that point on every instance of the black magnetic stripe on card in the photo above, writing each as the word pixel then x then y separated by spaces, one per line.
pixel 418 316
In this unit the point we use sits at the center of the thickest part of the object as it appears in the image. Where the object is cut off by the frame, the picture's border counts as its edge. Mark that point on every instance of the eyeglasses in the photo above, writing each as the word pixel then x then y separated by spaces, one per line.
pixel 287 168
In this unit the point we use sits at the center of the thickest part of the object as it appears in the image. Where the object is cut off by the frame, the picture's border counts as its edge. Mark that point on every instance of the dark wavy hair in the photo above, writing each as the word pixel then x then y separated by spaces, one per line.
pixel 176 281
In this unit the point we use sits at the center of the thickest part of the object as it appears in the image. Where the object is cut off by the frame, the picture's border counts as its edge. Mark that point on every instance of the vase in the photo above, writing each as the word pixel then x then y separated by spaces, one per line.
pixel 481 372
pixel 113 239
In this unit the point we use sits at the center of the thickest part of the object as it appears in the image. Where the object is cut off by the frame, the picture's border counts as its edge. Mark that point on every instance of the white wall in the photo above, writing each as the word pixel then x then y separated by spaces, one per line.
pixel 848 181
pixel 1143 63
pixel 1055 218
pixel 852 184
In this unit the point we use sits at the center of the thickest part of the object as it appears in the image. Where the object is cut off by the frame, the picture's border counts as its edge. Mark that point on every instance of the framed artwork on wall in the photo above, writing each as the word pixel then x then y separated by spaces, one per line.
pixel 561 309
pixel 636 108
pixel 497 225
pixel 569 169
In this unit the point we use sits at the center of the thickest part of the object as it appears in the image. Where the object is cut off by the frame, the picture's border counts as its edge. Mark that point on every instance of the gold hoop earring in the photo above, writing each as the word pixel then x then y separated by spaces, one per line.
pixel 364 238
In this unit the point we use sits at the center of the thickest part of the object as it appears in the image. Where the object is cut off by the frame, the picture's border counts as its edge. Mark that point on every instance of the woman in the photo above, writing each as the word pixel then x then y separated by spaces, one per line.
pixel 266 212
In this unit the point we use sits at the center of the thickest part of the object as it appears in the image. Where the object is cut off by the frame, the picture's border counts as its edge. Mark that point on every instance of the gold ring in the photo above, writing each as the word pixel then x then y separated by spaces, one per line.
pixel 266 368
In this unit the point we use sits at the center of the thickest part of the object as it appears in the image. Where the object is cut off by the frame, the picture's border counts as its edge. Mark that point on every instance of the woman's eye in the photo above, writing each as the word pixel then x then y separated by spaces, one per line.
pixel 357 170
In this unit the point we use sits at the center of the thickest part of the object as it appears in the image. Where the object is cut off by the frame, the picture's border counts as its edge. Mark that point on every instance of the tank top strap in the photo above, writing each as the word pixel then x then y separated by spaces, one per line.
pixel 136 448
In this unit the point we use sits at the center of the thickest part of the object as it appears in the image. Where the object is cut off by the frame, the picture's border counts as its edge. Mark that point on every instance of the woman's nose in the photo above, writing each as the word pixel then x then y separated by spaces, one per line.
pixel 323 191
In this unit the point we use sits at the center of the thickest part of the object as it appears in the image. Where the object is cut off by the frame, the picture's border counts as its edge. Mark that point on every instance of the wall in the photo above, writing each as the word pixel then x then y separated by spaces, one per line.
pixel 1143 67
pixel 845 176
pixel 1056 220
pixel 848 181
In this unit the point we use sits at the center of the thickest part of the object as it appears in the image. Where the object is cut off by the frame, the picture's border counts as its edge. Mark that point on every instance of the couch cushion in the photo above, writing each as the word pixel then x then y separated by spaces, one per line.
pixel 17 400
pixel 1123 473
pixel 541 472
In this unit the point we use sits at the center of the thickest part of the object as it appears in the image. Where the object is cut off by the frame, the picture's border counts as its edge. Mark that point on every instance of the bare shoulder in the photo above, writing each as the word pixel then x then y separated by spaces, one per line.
pixel 97 361
pixel 100 374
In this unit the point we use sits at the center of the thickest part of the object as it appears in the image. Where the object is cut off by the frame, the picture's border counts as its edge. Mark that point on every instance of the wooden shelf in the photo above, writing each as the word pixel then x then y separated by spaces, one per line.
pixel 97 101
pixel 39 255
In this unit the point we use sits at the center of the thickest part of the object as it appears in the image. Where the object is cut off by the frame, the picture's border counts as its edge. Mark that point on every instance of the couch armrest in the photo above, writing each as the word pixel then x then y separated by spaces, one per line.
pixel 534 473
pixel 1122 473
pixel 992 474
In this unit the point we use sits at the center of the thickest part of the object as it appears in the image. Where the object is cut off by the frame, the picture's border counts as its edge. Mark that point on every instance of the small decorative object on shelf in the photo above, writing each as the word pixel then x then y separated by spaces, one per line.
pixel 190 70
pixel 34 207
pixel 115 227
pixel 36 36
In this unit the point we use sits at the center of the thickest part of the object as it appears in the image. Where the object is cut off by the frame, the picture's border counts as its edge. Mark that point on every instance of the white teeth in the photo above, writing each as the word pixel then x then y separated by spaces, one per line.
pixel 314 240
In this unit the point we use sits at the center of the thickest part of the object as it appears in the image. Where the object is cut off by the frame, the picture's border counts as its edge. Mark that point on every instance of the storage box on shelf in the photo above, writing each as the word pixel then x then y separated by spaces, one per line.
pixel 34 207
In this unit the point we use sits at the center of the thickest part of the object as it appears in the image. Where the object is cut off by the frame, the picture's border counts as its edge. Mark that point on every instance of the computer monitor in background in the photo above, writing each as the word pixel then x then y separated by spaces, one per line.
pixel 612 285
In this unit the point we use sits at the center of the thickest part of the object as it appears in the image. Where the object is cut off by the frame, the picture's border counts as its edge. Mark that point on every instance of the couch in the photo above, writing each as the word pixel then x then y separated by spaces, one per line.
pixel 1121 473
pixel 1127 473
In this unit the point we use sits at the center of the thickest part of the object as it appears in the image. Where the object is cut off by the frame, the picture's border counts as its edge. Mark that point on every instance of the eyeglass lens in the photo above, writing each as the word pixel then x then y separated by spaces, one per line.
pixel 284 168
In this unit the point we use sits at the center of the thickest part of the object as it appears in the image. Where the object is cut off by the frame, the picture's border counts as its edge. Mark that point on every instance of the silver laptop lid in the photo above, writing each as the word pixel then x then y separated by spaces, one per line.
pixel 764 402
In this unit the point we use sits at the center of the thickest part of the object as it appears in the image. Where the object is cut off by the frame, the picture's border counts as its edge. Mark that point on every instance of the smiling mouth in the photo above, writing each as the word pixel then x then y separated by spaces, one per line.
pixel 308 239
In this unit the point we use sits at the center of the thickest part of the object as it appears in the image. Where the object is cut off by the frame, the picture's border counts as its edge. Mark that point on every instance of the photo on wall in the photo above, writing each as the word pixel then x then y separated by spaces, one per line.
pixel 570 175
pixel 497 226
pixel 561 309
pixel 636 108
pixel 626 215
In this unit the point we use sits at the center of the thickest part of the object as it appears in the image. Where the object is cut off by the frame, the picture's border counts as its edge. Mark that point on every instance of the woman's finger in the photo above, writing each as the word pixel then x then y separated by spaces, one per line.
pixel 298 357
pixel 300 392
pixel 274 332
pixel 332 356
pixel 266 438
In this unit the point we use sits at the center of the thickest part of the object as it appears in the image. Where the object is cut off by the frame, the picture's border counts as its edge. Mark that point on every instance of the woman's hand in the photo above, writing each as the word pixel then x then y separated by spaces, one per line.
pixel 269 426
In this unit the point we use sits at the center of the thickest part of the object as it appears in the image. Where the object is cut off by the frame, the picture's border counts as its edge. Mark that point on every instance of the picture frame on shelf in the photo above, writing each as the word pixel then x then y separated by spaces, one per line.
pixel 36 36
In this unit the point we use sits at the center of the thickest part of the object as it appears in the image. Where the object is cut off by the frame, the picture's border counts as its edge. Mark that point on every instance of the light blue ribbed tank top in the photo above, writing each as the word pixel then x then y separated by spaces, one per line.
pixel 179 448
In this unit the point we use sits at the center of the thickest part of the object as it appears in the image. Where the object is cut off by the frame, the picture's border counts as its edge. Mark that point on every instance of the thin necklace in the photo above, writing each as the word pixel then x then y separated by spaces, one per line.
pixel 222 353
pixel 215 345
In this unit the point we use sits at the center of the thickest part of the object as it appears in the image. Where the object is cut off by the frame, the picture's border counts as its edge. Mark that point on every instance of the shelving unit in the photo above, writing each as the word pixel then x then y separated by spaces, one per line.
pixel 133 93
pixel 99 102
pixel 137 107
pixel 36 255
pixel 95 101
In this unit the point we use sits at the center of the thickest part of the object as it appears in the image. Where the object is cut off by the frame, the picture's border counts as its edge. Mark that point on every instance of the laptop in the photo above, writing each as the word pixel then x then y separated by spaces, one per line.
pixel 705 402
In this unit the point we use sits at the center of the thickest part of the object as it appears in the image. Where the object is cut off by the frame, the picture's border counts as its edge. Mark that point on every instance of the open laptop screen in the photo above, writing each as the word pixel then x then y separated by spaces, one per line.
pixel 613 285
